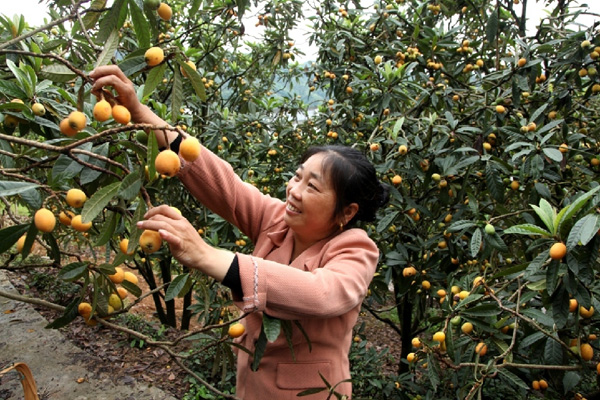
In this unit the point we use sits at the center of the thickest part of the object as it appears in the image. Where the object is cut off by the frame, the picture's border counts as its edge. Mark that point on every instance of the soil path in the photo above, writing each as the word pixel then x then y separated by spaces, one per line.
pixel 60 369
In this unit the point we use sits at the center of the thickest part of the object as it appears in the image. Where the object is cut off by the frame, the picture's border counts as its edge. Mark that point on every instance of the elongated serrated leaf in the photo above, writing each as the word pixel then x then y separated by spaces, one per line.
pixel 386 221
pixel 460 225
pixel 176 287
pixel 569 211
pixel 531 339
pixel 9 188
pixel 553 154
pixel 155 77
pixel 176 96
pixel 535 115
pixel 494 182
pixel 110 21
pixel 287 328
pixel 135 233
pixel 570 380
pixel 528 229
pixel 476 242
pixel 130 186
pixel 491 28
pixel 546 213
pixel 259 349
pixel 108 229
pixel 583 231
pixel 433 372
pixel 272 327
pixel 132 288
pixel 482 310
pixel 152 153
pixel 90 18
pixel 98 201
pixel 551 278
pixel 73 271
pixel 110 47
pixel 512 379
pixel 69 315
pixel 10 235
pixel 472 298
pixel 195 79
pixel 88 174
pixel 140 25
pixel 57 73
pixel 107 269
pixel 553 352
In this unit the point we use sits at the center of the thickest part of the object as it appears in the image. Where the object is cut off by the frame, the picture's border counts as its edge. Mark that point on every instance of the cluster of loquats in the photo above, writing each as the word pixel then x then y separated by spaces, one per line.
pixel 167 162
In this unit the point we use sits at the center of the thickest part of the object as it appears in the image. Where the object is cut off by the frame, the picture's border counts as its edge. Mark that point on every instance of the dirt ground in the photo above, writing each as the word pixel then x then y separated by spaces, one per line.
pixel 111 351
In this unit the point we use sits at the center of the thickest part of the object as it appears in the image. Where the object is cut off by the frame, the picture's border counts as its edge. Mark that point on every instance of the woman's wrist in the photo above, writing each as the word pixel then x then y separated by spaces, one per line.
pixel 214 262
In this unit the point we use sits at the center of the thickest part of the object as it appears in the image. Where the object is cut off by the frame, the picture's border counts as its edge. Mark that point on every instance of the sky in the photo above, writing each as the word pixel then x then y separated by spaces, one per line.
pixel 35 12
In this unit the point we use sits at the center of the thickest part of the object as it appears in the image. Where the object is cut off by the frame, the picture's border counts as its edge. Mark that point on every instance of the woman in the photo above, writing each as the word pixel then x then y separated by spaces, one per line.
pixel 308 264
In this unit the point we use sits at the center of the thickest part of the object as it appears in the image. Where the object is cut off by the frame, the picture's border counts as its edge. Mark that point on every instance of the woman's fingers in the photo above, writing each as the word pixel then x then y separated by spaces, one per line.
pixel 108 70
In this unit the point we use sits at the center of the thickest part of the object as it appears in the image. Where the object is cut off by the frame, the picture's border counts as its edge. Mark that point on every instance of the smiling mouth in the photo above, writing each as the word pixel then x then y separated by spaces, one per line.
pixel 292 208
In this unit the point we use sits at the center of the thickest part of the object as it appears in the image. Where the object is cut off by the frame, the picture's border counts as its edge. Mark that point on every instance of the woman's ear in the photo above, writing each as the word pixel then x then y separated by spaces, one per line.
pixel 349 212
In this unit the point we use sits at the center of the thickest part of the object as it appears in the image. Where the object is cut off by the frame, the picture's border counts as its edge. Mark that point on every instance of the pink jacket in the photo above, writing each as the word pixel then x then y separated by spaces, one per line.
pixel 323 288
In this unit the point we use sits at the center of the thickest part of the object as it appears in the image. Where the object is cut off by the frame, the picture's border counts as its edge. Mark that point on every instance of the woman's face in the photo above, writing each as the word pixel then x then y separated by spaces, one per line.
pixel 310 202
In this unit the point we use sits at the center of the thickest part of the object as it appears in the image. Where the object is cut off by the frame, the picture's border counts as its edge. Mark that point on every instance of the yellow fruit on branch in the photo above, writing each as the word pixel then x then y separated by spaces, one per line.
pixel 118 276
pixel 586 313
pixel 522 62
pixel 377 60
pixel 167 163
pixel 409 271
pixel 79 225
pixel 65 217
pixel 558 251
pixel 189 149
pixel 416 342
pixel 439 337
pixel 236 330
pixel 467 328
pixel 75 198
pixel 130 277
pixel 154 56
pixel 411 357
pixel 586 351
pixel 150 241
pixel 21 243
pixel 122 292
pixel 500 109
pixel 84 309
pixel 38 109
pixel 164 12
pixel 77 120
pixel 102 111
pixel 66 129
pixel 191 65
pixel 121 114
pixel 44 220
pixel 114 300
pixel 396 180
pixel 124 245
pixel 481 349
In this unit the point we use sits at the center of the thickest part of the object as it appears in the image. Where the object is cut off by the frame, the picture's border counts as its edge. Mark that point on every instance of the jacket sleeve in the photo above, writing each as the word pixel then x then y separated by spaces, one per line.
pixel 339 283
pixel 213 182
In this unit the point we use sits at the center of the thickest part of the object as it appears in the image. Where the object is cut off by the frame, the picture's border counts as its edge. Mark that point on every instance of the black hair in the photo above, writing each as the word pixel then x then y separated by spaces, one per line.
pixel 354 180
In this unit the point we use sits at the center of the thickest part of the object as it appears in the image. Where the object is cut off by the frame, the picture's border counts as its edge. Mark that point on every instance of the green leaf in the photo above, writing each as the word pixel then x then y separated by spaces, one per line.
pixel 135 233
pixel 531 339
pixel 110 21
pixel 152 153
pixel 69 315
pixel 386 221
pixel 108 230
pixel 460 225
pixel 583 231
pixel 57 73
pixel 90 18
pixel 512 379
pixel 570 380
pixel 10 235
pixel 472 298
pixel 553 352
pixel 88 174
pixel 110 47
pixel 535 115
pixel 494 182
pixel 546 212
pixel 259 348
pixel 491 29
pixel 155 77
pixel 433 371
pixel 177 286
pixel 272 327
pixel 476 242
pixel 9 188
pixel 140 25
pixel 553 154
pixel 73 271
pixel 568 212
pixel 483 310
pixel 98 201
pixel 130 186
pixel 527 229
pixel 132 288
pixel 195 79
pixel 176 96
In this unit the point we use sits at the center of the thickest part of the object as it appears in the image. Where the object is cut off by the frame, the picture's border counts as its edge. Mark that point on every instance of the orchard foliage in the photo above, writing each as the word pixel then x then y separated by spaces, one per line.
pixel 484 126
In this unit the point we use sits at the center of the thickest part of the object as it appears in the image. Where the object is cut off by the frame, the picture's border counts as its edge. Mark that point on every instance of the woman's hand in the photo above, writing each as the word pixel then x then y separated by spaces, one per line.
pixel 111 75
pixel 185 243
